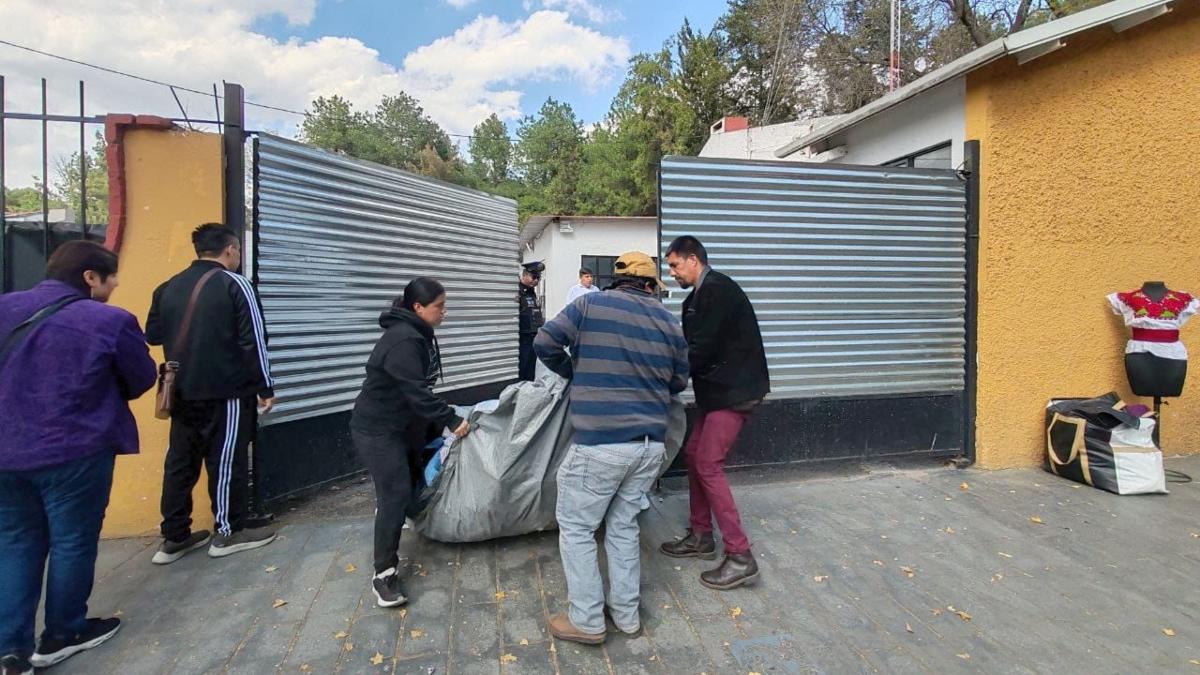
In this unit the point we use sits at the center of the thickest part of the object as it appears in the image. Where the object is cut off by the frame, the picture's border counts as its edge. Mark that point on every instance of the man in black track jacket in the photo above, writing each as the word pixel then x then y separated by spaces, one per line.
pixel 223 373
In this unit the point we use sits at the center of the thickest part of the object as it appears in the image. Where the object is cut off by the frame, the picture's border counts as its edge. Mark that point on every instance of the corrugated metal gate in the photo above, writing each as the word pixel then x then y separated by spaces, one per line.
pixel 338 239
pixel 857 274
pixel 335 241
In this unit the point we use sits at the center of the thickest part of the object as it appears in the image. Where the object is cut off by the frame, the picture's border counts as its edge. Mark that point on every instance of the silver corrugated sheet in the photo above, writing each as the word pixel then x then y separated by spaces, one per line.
pixel 857 273
pixel 338 238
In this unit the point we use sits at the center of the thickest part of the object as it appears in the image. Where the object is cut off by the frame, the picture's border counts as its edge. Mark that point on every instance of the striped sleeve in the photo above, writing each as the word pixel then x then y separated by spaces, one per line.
pixel 552 340
pixel 252 332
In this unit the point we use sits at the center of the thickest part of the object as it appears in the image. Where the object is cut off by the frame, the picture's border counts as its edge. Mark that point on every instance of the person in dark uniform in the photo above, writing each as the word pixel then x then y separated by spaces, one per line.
pixel 531 317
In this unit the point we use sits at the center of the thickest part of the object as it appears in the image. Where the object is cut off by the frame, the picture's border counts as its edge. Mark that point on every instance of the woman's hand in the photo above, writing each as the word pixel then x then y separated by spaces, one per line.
pixel 463 429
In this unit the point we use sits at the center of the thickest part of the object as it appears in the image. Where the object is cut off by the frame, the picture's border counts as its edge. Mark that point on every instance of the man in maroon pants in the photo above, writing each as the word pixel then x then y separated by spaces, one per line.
pixel 729 376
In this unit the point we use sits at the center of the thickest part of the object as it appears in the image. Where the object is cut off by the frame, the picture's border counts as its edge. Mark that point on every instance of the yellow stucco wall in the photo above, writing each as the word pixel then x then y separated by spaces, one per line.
pixel 173 183
pixel 1089 163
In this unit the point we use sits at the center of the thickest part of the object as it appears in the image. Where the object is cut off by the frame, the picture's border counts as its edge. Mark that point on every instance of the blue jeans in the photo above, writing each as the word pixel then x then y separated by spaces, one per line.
pixel 604 483
pixel 55 511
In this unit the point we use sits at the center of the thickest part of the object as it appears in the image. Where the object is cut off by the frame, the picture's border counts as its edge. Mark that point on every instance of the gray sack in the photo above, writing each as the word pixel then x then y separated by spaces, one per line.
pixel 501 480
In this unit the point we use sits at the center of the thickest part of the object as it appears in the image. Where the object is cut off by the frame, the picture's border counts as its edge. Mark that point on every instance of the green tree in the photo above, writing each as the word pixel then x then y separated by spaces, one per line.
pixel 491 151
pixel 701 83
pixel 548 154
pixel 607 184
pixel 333 124
pixel 27 200
pixel 402 130
pixel 66 183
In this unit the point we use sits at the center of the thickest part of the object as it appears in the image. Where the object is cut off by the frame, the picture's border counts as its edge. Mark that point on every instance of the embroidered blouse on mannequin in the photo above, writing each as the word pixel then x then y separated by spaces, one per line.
pixel 1155 324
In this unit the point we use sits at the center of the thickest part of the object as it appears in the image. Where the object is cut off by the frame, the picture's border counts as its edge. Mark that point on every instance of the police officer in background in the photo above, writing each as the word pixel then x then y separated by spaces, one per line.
pixel 531 317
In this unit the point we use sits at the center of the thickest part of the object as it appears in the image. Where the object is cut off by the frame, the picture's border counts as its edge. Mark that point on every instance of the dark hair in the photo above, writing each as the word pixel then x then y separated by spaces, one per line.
pixel 210 239
pixel 688 245
pixel 585 271
pixel 420 291
pixel 72 259
pixel 628 280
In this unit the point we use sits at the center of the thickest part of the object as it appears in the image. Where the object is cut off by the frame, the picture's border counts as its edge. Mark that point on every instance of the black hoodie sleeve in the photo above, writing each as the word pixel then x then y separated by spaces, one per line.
pixel 405 362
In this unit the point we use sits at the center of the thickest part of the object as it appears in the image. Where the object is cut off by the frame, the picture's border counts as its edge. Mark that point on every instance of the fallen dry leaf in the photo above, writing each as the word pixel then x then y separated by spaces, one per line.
pixel 270 569
pixel 1036 520
pixel 949 530
pixel 403 613
pixel 422 573
pixel 654 657
pixel 1168 632
pixel 820 577
pixel 997 577
pixel 508 658
pixel 351 568
pixel 878 562
pixel 795 532
pixel 553 649
pixel 341 635
pixel 1196 535
pixel 416 633
pixel 964 487
pixel 279 603
pixel 949 499
pixel 908 627
pixel 349 646
pixel 961 614
pixel 735 612
pixel 305 668
pixel 524 643
pixel 500 596
pixel 1195 662
pixel 377 660
pixel 936 611
pixel 1002 553
pixel 908 571
pixel 965 657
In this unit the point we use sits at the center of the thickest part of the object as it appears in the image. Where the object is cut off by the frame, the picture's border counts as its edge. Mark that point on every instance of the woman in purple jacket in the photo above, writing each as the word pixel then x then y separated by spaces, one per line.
pixel 69 365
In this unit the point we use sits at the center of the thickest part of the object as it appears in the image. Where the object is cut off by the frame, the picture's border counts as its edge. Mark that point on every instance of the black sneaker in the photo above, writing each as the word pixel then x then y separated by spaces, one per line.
pixel 389 591
pixel 56 650
pixel 170 551
pixel 15 665
pixel 242 540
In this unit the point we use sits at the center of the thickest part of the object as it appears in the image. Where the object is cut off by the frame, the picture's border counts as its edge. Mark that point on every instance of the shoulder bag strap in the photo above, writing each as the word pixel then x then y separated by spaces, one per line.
pixel 181 340
pixel 14 338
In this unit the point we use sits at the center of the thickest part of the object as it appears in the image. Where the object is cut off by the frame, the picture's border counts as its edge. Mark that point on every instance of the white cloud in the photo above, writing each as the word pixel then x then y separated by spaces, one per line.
pixel 459 3
pixel 584 8
pixel 459 79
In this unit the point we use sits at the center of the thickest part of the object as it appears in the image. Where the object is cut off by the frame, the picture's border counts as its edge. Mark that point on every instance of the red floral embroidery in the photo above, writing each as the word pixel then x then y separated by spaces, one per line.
pixel 1142 306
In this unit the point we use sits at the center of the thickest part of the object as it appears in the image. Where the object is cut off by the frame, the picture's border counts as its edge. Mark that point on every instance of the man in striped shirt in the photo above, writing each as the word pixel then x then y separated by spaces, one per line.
pixel 627 358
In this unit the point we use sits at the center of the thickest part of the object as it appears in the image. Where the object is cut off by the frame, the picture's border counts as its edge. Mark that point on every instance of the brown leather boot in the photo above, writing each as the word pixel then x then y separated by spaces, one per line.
pixel 562 628
pixel 692 546
pixel 736 570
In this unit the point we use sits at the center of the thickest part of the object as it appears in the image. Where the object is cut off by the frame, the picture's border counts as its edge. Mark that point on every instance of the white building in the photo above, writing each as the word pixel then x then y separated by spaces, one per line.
pixel 734 138
pixel 566 243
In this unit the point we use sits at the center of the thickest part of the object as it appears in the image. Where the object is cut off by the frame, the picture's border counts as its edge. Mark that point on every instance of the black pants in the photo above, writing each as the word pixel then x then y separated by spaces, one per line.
pixel 394 469
pixel 526 360
pixel 217 434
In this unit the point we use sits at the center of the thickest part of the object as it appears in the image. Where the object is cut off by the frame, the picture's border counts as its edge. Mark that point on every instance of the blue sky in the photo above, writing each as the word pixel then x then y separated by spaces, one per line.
pixel 462 59
pixel 397 28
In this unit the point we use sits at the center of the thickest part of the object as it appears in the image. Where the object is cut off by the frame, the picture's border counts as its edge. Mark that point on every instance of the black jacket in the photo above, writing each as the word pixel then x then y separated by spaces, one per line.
pixel 530 311
pixel 226 356
pixel 397 396
pixel 725 347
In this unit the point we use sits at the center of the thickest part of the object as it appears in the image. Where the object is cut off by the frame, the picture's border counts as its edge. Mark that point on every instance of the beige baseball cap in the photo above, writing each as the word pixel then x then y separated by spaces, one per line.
pixel 638 264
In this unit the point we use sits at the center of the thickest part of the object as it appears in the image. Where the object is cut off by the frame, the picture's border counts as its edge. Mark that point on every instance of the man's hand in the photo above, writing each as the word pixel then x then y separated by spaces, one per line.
pixel 463 429
pixel 265 405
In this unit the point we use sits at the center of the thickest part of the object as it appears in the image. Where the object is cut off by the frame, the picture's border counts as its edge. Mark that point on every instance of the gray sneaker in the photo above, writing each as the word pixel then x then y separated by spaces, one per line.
pixel 170 551
pixel 242 540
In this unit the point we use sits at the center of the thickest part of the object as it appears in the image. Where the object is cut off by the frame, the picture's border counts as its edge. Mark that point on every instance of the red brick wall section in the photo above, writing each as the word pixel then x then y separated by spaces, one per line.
pixel 115 127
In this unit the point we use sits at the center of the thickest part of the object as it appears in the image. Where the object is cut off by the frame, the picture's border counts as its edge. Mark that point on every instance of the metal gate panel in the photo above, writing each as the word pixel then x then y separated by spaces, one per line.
pixel 857 274
pixel 337 240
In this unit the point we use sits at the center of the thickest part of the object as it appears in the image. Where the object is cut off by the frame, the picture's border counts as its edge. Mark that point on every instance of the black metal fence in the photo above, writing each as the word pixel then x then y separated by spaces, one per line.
pixel 70 209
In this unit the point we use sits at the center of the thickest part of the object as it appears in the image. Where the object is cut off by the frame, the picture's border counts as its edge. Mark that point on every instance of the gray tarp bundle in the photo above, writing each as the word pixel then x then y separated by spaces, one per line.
pixel 501 480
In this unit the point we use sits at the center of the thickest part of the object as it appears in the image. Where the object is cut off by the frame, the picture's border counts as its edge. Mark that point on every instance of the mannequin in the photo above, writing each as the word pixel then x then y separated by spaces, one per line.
pixel 1151 375
pixel 1155 359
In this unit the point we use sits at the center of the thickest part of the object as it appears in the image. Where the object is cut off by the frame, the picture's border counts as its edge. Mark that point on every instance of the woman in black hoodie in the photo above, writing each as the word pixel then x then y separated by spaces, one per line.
pixel 396 415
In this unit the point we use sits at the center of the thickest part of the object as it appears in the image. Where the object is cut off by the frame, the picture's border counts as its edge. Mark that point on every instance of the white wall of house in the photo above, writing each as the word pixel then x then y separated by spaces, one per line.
pixel 562 251
pixel 920 123
pixel 753 143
